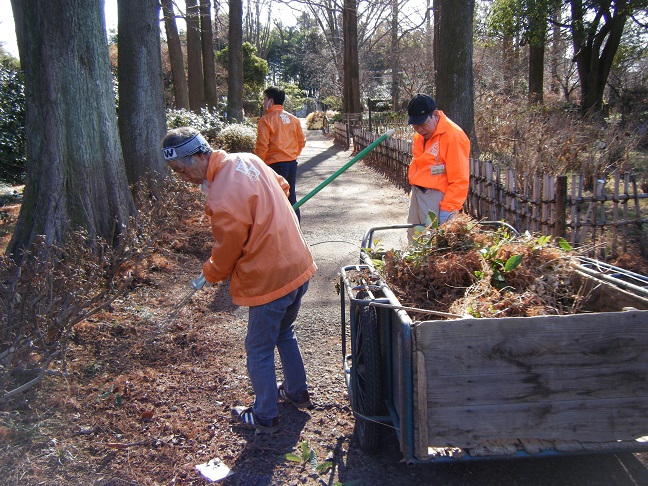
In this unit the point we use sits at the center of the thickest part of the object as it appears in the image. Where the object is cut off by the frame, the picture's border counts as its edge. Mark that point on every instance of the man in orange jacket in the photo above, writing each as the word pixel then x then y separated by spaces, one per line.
pixel 439 172
pixel 257 244
pixel 280 139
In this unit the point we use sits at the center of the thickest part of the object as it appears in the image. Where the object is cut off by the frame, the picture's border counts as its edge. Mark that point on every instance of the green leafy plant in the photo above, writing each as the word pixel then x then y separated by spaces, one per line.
pixel 499 266
pixel 376 254
pixel 308 456
pixel 110 394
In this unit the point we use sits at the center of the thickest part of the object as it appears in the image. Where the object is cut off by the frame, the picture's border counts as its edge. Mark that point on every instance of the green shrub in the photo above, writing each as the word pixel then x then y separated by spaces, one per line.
pixel 333 103
pixel 236 138
pixel 207 123
pixel 12 124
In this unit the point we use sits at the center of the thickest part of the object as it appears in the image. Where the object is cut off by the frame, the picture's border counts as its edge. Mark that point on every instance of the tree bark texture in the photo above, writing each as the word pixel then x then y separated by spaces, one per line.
pixel 235 62
pixel 508 62
pixel 194 57
pixel 176 58
pixel 454 72
pixel 351 86
pixel 595 45
pixel 208 56
pixel 75 169
pixel 395 58
pixel 536 74
pixel 141 100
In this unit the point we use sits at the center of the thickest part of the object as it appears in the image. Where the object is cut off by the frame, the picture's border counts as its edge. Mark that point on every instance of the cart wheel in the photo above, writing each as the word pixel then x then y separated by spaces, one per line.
pixel 369 399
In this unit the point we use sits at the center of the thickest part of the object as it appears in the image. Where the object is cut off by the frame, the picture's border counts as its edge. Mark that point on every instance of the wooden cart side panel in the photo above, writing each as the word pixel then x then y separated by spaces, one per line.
pixel 604 296
pixel 579 377
pixel 420 407
pixel 533 386
pixel 581 420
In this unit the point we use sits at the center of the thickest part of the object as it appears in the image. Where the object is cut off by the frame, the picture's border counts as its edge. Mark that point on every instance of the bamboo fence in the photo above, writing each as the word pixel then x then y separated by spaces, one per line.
pixel 604 215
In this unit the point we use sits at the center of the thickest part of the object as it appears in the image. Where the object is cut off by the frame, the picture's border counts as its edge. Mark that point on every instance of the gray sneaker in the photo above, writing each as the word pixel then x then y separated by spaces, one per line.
pixel 299 400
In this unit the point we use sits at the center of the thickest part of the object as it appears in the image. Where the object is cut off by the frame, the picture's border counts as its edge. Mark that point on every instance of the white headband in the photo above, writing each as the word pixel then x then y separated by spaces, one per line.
pixel 195 144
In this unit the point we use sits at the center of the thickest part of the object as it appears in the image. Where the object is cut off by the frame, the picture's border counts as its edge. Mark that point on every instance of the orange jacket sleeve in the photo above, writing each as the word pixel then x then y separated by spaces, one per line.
pixel 457 171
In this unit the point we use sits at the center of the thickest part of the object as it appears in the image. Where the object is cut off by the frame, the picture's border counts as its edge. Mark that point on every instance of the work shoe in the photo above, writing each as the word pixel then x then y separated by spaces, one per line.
pixel 299 400
pixel 247 419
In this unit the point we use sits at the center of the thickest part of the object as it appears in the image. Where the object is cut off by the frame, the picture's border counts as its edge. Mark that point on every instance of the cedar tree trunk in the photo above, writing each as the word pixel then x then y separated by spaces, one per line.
pixel 176 58
pixel 75 170
pixel 141 91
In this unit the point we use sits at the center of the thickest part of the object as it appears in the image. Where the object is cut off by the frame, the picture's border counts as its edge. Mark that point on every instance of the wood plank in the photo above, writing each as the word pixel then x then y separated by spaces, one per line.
pixel 581 420
pixel 420 407
pixel 580 377
pixel 521 386
pixel 603 296
pixel 533 344
pixel 490 448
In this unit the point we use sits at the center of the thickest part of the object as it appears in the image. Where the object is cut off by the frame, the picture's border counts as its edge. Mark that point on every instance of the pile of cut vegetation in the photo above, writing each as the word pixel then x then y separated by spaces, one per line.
pixel 468 268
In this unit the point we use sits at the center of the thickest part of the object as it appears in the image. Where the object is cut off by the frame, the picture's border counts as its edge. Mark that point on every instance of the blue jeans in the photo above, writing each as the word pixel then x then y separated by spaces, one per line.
pixel 272 325
pixel 288 170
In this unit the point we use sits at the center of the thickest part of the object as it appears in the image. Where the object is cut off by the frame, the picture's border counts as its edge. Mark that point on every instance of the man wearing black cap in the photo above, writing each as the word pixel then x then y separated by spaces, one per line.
pixel 439 172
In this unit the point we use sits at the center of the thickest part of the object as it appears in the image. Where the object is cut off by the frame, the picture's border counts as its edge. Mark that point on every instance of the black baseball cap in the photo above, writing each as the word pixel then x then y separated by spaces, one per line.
pixel 419 108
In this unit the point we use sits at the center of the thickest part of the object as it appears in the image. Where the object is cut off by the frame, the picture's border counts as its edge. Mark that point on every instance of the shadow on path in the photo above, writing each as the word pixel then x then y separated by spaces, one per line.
pixel 309 164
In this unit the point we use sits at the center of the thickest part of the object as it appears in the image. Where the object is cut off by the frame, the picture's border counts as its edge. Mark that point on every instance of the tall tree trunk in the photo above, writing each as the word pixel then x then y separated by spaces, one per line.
pixel 176 58
pixel 194 57
pixel 454 73
pixel 595 49
pixel 429 47
pixel 75 170
pixel 395 58
pixel 209 59
pixel 538 13
pixel 536 74
pixel 351 85
pixel 556 50
pixel 141 90
pixel 508 64
pixel 437 27
pixel 235 62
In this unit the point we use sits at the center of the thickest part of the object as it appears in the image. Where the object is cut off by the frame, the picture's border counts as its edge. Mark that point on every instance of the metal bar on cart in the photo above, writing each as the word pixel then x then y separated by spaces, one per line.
pixel 414 309
pixel 355 159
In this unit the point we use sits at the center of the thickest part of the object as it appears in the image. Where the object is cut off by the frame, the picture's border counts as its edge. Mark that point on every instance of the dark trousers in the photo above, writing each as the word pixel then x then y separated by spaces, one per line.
pixel 288 170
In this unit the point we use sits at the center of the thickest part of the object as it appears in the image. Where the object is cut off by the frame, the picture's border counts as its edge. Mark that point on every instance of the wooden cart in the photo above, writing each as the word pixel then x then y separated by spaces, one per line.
pixel 502 387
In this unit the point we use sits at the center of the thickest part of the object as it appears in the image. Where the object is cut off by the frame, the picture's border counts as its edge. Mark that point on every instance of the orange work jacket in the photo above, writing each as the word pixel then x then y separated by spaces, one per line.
pixel 257 239
pixel 280 137
pixel 450 147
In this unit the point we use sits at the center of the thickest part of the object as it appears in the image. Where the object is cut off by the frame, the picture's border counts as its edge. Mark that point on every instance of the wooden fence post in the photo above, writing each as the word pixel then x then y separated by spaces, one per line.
pixel 561 207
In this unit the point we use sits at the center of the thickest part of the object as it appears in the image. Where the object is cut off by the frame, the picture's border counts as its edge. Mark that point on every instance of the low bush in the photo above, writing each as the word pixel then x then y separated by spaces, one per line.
pixel 208 123
pixel 236 138
pixel 12 124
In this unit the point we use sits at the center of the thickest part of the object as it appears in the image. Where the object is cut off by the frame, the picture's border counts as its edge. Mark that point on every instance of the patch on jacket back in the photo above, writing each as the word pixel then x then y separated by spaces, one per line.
pixel 248 169
pixel 284 118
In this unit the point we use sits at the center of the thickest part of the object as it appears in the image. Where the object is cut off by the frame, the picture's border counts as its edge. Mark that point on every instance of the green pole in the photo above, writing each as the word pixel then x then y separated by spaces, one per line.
pixel 364 152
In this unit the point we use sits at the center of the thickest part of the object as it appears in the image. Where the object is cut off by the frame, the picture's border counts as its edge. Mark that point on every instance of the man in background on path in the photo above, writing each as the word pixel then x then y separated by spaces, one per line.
pixel 439 172
pixel 259 245
pixel 280 139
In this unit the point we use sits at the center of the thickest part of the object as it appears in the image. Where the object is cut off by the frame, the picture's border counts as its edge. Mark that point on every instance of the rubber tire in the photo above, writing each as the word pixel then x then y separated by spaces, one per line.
pixel 369 389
